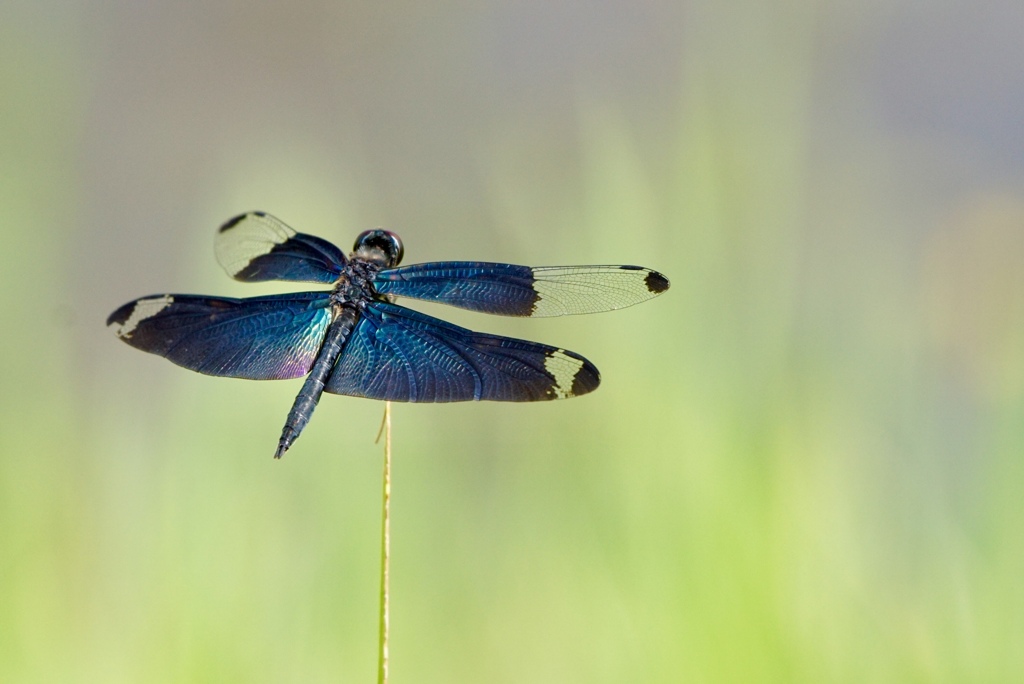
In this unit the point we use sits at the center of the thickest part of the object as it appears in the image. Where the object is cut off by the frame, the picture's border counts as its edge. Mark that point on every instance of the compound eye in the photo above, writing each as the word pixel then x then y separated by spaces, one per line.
pixel 381 246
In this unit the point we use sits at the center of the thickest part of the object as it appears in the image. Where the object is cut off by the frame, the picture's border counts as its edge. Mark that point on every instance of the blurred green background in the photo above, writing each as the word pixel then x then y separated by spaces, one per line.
pixel 805 461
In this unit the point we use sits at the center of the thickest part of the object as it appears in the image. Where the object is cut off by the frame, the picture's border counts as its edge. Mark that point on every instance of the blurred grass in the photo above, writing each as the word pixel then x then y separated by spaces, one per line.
pixel 804 463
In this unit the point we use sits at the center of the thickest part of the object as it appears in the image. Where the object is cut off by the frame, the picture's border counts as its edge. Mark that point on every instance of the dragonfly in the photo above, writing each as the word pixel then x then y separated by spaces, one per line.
pixel 355 340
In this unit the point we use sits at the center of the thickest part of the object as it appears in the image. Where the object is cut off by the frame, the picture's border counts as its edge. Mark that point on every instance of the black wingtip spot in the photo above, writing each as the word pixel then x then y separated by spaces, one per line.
pixel 121 315
pixel 231 223
pixel 656 282
pixel 587 379
pixel 570 374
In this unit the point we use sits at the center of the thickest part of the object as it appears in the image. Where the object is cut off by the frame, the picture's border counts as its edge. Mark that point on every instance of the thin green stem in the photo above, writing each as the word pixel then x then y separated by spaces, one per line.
pixel 385 553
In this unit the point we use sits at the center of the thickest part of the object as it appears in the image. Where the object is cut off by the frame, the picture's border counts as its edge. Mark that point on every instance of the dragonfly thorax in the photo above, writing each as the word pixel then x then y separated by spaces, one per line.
pixel 356 282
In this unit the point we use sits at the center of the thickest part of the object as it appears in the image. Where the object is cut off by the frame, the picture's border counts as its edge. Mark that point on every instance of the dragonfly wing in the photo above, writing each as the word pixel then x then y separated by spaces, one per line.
pixel 254 247
pixel 261 338
pixel 510 290
pixel 398 354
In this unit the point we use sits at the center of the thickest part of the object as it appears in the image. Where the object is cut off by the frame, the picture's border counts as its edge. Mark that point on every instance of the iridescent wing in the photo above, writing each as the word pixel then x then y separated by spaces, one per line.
pixel 398 354
pixel 256 246
pixel 262 338
pixel 510 290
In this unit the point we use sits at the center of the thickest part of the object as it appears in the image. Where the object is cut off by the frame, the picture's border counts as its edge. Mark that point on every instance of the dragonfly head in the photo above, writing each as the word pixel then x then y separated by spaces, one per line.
pixel 380 246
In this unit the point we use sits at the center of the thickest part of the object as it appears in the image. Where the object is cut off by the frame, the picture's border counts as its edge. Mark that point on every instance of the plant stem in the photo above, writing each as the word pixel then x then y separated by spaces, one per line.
pixel 385 553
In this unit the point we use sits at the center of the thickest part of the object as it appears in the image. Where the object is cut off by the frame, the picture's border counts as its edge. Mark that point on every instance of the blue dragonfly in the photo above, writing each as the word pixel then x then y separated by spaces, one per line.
pixel 354 340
